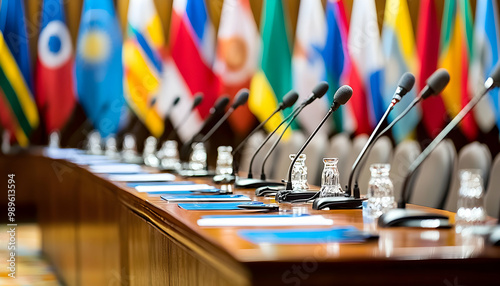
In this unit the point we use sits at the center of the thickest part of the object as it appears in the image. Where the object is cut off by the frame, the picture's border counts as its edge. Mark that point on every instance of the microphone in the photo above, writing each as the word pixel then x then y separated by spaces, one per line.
pixel 405 84
pixel 288 101
pixel 198 98
pixel 241 98
pixel 415 218
pixel 215 111
pixel 434 86
pixel 318 91
pixel 341 96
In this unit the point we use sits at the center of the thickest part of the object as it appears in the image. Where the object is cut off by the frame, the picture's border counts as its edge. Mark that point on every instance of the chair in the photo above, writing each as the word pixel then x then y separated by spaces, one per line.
pixel 340 147
pixel 472 156
pixel 404 154
pixel 380 153
pixel 285 148
pixel 432 180
pixel 492 197
pixel 250 148
pixel 315 152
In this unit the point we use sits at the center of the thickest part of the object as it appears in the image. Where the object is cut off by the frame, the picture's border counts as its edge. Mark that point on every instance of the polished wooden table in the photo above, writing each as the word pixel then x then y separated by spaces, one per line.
pixel 99 232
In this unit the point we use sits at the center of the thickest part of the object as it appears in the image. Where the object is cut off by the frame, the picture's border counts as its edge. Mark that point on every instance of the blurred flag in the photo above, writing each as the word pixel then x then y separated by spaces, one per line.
pixel 142 63
pixel 54 74
pixel 337 62
pixel 18 111
pixel 399 51
pixel 274 78
pixel 308 66
pixel 98 66
pixel 433 110
pixel 188 69
pixel 366 75
pixel 455 52
pixel 238 50
pixel 486 48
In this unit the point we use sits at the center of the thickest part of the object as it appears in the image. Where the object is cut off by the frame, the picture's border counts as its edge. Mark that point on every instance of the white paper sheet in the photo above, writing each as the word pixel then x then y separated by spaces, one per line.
pixel 116 168
pixel 173 188
pixel 162 177
pixel 265 221
pixel 208 198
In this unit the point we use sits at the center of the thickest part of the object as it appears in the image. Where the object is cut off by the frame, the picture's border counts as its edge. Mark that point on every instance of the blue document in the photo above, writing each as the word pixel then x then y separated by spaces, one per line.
pixel 208 198
pixel 303 236
pixel 214 206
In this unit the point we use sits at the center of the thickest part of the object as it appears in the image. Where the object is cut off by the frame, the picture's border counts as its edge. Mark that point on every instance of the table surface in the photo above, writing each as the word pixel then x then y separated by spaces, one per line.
pixel 393 243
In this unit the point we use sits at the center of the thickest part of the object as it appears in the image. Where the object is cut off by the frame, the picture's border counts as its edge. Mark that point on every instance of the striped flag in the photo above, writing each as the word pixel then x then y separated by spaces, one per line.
pixel 433 110
pixel 238 50
pixel 188 68
pixel 142 63
pixel 486 49
pixel 400 55
pixel 337 62
pixel 18 109
pixel 274 77
pixel 455 52
pixel 308 65
pixel 98 66
pixel 366 75
pixel 55 92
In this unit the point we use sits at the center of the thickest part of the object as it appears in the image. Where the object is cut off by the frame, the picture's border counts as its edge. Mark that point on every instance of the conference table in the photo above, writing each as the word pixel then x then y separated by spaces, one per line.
pixel 99 232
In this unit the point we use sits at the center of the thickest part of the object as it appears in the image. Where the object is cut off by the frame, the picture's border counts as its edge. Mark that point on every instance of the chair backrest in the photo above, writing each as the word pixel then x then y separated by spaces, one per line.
pixel 250 148
pixel 357 145
pixel 380 153
pixel 315 153
pixel 492 197
pixel 472 156
pixel 282 159
pixel 404 154
pixel 433 178
pixel 340 147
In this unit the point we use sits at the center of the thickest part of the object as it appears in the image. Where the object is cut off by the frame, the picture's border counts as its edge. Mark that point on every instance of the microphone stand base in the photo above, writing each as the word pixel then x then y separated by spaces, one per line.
pixel 338 203
pixel 224 179
pixel 254 183
pixel 291 196
pixel 268 190
pixel 413 218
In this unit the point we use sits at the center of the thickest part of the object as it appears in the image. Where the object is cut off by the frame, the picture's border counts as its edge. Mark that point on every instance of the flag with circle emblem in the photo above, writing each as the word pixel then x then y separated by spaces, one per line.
pixel 54 77
pixel 98 66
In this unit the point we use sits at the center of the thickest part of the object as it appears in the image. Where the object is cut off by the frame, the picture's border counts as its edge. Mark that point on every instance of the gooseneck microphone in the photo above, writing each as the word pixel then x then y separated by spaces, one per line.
pixel 342 95
pixel 317 92
pixel 434 86
pixel 241 98
pixel 198 98
pixel 402 216
pixel 288 101
pixel 405 84
pixel 215 111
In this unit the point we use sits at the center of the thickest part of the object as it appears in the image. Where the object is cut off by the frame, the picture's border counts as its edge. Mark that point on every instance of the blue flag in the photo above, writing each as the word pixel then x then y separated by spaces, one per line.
pixel 98 66
pixel 13 27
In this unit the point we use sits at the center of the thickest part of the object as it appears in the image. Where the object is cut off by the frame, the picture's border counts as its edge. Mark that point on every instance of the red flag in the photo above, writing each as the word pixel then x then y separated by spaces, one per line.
pixel 433 110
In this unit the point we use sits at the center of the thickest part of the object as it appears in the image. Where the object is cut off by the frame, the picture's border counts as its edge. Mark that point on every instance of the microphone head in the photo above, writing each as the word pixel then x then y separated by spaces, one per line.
pixel 495 75
pixel 241 98
pixel 320 89
pixel 220 105
pixel 342 95
pixel 198 98
pixel 289 99
pixel 406 81
pixel 176 101
pixel 437 82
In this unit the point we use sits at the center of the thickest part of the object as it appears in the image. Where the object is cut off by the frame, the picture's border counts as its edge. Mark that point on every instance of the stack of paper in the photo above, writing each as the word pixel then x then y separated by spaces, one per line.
pixel 264 220
pixel 174 188
pixel 142 177
pixel 209 198
pixel 117 168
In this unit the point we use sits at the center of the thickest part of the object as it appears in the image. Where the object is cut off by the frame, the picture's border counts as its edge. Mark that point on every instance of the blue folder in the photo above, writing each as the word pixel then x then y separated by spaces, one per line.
pixel 215 206
pixel 303 236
